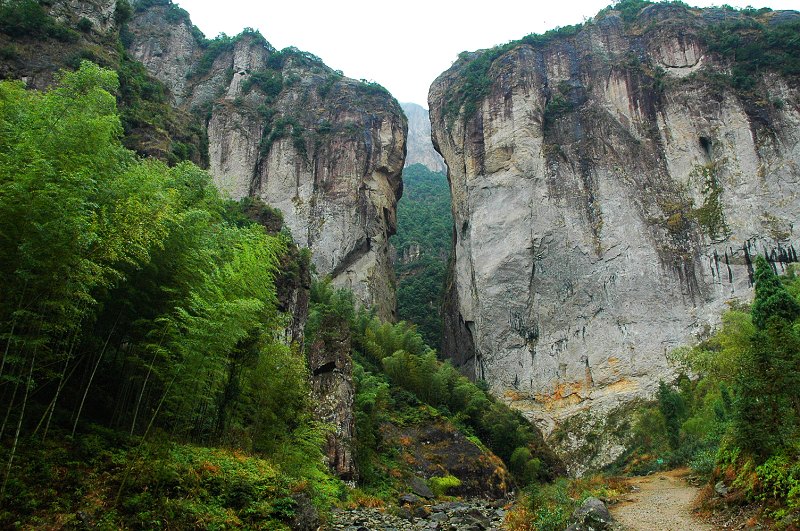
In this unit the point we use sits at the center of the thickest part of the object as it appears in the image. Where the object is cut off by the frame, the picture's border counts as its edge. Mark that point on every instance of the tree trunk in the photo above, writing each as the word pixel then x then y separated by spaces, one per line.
pixel 91 377
pixel 19 426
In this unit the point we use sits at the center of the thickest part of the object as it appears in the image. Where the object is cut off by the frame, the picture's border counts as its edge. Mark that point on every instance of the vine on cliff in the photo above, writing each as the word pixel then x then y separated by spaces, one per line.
pixel 710 215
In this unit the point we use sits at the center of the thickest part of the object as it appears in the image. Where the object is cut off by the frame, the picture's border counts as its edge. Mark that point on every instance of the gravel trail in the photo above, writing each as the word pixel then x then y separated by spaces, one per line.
pixel 662 502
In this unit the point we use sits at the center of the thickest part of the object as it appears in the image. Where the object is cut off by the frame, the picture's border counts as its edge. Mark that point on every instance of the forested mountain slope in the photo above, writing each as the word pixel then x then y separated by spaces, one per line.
pixel 423 244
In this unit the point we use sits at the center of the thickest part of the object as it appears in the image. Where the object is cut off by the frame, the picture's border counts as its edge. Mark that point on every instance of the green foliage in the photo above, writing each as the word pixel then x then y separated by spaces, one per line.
pixel 151 124
pixel 475 83
pixel 140 278
pixel 166 484
pixel 398 378
pixel 772 300
pixel 268 82
pixel 673 409
pixel 373 88
pixel 281 128
pixel 766 406
pixel 424 221
pixel 27 18
pixel 754 46
pixel 557 105
pixel 418 374
pixel 372 400
pixel 123 12
pixel 710 215
pixel 628 9
pixel 85 25
pixel 220 44
pixel 779 477
pixel 549 507
pixel 524 466
pixel 172 12
pixel 740 417
pixel 414 368
pixel 440 485
pixel 328 305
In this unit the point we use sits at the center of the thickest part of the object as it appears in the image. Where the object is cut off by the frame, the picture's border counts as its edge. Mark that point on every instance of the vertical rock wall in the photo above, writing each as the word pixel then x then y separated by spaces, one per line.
pixel 326 150
pixel 608 198
pixel 332 384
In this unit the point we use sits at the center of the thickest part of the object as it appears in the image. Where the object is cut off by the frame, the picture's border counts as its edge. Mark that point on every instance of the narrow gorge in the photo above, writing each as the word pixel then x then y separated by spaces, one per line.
pixel 243 290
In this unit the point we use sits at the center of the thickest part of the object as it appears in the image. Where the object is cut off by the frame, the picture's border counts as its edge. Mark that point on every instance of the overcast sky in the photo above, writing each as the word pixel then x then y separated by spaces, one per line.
pixel 402 44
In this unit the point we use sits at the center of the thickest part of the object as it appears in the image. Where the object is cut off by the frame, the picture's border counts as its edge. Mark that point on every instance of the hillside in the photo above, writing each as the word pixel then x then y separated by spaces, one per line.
pixel 419 147
pixel 423 245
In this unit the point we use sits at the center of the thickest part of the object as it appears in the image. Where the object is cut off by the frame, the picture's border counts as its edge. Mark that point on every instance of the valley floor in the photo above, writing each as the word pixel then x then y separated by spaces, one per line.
pixel 476 514
pixel 662 501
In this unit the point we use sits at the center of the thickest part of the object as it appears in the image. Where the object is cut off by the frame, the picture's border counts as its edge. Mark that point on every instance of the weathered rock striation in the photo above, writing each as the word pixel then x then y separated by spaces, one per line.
pixel 611 184
pixel 326 150
pixel 420 147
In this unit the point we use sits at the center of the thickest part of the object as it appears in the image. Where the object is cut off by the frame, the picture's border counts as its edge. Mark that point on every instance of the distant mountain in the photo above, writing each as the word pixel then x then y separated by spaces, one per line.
pixel 419 145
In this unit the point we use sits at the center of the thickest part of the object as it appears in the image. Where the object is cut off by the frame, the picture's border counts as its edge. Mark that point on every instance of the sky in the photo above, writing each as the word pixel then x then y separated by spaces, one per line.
pixel 401 44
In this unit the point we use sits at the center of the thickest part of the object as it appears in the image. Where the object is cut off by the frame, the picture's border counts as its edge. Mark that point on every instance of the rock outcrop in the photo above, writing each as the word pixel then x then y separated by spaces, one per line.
pixel 420 147
pixel 611 185
pixel 326 150
pixel 435 448
pixel 331 367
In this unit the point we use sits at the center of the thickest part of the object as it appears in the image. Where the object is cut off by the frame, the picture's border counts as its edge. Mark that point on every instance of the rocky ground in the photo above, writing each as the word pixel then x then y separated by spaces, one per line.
pixel 468 515
pixel 663 502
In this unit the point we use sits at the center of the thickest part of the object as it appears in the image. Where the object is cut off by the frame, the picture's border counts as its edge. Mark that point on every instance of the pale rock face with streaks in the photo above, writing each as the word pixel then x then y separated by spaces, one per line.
pixel 327 151
pixel 607 207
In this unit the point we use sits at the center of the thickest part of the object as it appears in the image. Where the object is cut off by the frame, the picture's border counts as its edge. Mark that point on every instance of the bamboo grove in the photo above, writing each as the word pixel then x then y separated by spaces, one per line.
pixel 131 294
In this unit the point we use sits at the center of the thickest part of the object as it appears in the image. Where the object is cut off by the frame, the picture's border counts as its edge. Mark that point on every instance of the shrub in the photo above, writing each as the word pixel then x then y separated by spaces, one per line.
pixel 85 25
pixel 122 12
pixel 440 485
pixel 21 18
pixel 270 83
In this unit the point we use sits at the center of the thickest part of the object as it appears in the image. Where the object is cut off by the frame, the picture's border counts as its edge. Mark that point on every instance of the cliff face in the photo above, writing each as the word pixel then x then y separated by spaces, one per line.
pixel 326 150
pixel 331 367
pixel 610 187
pixel 420 147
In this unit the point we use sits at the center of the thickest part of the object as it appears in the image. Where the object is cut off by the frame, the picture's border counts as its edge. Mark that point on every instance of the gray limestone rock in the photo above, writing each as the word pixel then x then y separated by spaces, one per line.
pixel 592 515
pixel 327 151
pixel 420 487
pixel 603 219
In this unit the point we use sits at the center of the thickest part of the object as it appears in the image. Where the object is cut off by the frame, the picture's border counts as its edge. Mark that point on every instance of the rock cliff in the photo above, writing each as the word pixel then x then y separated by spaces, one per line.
pixel 280 126
pixel 611 183
pixel 331 367
pixel 326 150
pixel 420 147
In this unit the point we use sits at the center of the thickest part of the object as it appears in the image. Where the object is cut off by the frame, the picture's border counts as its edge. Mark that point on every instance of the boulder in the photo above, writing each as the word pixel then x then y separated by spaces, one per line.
pixel 592 515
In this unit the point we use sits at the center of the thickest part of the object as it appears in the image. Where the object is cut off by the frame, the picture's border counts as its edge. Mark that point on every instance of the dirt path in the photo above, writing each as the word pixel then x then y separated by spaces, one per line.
pixel 660 502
